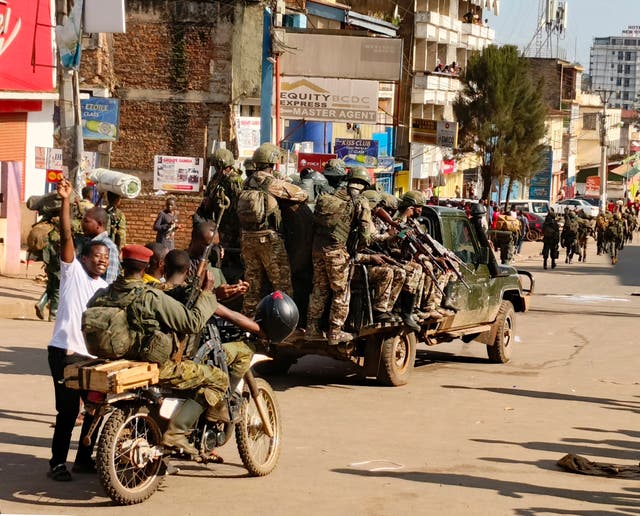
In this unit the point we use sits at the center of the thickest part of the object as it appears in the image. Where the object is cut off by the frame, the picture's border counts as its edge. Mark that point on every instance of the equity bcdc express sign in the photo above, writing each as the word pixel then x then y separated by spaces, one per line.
pixel 331 100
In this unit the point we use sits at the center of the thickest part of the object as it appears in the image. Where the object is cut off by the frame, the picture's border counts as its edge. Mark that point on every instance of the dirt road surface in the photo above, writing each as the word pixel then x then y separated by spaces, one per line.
pixel 463 437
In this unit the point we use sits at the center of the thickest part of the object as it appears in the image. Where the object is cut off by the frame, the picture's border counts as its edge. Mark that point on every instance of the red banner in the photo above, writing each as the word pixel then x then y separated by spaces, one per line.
pixel 313 160
pixel 26 46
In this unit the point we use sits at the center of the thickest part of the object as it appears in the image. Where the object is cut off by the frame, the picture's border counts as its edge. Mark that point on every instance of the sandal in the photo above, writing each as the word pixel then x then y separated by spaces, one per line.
pixel 59 473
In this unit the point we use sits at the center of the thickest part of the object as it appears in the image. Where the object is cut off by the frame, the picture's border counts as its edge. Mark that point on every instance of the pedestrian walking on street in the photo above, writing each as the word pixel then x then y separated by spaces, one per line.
pixel 79 280
pixel 166 224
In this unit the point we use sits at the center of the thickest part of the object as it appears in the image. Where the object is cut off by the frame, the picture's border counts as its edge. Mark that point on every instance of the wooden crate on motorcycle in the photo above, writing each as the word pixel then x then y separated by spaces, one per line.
pixel 110 377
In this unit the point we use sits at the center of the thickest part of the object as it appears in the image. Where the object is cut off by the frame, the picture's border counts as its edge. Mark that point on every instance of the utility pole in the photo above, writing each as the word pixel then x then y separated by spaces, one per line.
pixel 71 140
pixel 604 96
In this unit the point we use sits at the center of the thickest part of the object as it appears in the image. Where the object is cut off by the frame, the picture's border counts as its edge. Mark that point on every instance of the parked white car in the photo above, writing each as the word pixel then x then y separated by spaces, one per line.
pixel 575 205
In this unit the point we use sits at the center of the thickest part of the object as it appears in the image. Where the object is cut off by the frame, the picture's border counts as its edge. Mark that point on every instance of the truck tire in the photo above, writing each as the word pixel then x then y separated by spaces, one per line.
pixel 397 355
pixel 505 325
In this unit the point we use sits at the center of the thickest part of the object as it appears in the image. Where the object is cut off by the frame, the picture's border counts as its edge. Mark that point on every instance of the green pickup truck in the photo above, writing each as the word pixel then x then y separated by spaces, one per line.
pixel 484 308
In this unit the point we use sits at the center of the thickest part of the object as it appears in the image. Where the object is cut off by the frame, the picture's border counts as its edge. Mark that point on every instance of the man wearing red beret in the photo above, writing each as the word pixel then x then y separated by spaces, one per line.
pixel 153 314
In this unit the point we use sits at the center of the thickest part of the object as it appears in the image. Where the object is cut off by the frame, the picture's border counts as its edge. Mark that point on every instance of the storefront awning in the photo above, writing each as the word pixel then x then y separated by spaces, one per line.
pixel 582 175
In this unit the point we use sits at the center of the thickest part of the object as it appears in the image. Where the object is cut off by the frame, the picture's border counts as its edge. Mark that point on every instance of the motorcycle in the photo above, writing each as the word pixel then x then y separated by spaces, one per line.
pixel 130 459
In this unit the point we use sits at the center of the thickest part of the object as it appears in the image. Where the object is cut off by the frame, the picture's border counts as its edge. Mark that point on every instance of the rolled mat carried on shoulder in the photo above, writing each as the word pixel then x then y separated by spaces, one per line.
pixel 119 183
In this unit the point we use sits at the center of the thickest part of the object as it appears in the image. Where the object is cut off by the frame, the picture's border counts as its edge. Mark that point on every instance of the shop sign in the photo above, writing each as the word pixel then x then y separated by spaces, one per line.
pixel 177 173
pixel 431 132
pixel 248 135
pixel 26 46
pixel 314 161
pixel 100 118
pixel 354 153
pixel 329 100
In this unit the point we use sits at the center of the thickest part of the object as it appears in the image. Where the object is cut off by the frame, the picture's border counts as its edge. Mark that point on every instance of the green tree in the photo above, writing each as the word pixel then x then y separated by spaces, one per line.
pixel 501 115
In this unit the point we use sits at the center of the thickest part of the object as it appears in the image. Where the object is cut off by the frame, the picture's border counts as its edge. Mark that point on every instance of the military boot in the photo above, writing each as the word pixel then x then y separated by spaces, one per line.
pixel 544 264
pixel 41 305
pixel 383 317
pixel 407 302
pixel 313 332
pixel 553 264
pixel 183 421
pixel 336 336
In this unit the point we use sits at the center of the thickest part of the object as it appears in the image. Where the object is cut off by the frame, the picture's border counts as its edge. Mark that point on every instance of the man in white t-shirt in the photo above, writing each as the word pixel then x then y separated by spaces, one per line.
pixel 80 278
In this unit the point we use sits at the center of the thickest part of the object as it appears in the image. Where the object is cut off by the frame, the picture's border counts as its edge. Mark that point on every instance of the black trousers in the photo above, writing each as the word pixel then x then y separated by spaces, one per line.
pixel 67 407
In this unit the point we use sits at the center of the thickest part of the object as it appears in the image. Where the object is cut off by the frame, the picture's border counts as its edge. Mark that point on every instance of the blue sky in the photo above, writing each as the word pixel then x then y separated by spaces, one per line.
pixel 516 24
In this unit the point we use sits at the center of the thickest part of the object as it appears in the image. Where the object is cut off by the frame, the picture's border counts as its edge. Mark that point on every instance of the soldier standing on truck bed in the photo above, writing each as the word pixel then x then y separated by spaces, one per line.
pixel 262 237
pixel 342 225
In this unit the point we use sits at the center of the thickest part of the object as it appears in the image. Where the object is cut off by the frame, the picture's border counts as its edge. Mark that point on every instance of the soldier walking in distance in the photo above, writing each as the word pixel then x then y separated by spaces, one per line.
pixel 260 218
pixel 342 225
pixel 550 239
pixel 116 221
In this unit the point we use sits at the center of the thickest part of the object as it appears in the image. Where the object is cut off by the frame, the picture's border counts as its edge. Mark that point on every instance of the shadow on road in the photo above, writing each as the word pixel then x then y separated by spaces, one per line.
pixel 25 481
pixel 23 360
pixel 502 487
pixel 610 403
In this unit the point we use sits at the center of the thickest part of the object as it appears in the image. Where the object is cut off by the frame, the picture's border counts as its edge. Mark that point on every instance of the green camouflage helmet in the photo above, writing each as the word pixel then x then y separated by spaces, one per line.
pixel 373 197
pixel 267 154
pixel 222 158
pixel 413 198
pixel 334 167
pixel 389 201
pixel 359 174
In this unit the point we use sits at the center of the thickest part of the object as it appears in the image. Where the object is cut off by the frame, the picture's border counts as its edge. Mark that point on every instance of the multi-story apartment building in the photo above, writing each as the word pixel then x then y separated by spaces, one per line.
pixel 615 67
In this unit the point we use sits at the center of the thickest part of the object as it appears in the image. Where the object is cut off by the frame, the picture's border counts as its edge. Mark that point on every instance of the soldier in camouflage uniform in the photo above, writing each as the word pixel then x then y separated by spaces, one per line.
pixel 601 226
pixel 613 236
pixel 208 384
pixel 342 227
pixel 222 192
pixel 116 221
pixel 407 276
pixel 262 234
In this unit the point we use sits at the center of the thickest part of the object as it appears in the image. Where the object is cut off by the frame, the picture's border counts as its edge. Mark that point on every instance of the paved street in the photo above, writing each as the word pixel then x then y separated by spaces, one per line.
pixel 463 437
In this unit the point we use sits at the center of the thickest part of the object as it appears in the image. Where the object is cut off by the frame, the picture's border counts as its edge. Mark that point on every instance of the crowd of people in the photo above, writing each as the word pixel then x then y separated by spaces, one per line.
pixel 302 237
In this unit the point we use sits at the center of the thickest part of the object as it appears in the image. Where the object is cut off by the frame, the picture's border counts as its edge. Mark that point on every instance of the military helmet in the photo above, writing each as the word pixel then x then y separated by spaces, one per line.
pixel 222 158
pixel 389 201
pixel 334 167
pixel 413 198
pixel 277 315
pixel 359 174
pixel 373 197
pixel 267 154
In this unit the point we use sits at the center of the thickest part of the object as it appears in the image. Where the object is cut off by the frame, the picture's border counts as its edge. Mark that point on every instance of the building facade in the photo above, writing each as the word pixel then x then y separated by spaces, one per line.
pixel 615 67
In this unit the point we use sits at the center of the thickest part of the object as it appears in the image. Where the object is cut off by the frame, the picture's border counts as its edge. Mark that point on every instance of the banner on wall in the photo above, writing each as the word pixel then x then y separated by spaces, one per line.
pixel 100 118
pixel 354 153
pixel 313 161
pixel 248 135
pixel 177 173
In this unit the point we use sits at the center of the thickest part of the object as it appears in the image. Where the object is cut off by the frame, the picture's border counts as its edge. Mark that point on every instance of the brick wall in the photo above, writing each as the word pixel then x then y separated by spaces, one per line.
pixel 142 211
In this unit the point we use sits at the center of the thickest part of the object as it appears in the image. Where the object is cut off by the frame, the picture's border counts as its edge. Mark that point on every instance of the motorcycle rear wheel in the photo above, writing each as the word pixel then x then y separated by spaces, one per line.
pixel 258 451
pixel 127 466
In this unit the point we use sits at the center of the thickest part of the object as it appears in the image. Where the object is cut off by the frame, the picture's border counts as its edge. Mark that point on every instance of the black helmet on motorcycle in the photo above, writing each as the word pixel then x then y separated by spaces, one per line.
pixel 277 315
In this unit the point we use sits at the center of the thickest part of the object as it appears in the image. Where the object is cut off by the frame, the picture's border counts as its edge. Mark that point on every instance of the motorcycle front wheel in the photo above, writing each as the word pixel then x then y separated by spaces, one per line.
pixel 259 452
pixel 128 461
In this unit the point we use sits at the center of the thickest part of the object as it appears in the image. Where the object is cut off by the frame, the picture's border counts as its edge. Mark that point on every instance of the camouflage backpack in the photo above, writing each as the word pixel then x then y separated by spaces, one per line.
pixel 120 327
pixel 38 237
pixel 572 227
pixel 257 209
pixel 332 216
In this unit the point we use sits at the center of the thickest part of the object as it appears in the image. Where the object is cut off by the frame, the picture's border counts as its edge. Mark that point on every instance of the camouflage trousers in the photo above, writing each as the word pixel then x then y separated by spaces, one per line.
pixel 414 277
pixel 265 258
pixel 381 282
pixel 208 382
pixel 239 355
pixel 331 267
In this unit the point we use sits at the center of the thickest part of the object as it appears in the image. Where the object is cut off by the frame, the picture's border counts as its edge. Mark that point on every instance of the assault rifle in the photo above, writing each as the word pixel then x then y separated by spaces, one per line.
pixel 195 285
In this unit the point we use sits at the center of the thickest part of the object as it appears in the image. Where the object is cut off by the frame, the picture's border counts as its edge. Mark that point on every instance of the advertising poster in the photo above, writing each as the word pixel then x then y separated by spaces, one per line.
pixel 357 153
pixel 332 100
pixel 248 134
pixel 313 161
pixel 177 173
pixel 26 46
pixel 540 183
pixel 100 118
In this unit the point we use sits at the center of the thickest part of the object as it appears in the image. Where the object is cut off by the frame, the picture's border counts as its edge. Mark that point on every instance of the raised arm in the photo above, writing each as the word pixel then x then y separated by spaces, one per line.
pixel 67 251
